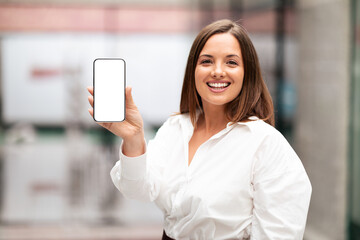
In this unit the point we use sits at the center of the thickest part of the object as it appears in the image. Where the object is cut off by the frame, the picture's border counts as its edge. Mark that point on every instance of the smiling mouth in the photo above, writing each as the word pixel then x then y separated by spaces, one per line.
pixel 218 85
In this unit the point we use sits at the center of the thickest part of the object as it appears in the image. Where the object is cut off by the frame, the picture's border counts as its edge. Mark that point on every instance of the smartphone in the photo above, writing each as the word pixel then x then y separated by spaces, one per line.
pixel 109 89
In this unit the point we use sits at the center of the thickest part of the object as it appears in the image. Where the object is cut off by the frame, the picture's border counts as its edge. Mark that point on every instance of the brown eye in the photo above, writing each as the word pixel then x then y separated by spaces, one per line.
pixel 231 62
pixel 205 61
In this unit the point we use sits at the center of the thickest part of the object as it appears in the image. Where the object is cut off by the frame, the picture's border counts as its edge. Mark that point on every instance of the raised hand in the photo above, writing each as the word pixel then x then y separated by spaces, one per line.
pixel 130 130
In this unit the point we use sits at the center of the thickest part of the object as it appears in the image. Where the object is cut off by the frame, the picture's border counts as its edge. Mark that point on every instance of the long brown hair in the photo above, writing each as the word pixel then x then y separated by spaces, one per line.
pixel 254 98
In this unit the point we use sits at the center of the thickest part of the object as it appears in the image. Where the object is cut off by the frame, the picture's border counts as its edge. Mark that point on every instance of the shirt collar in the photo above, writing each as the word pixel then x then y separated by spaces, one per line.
pixel 185 121
pixel 249 123
pixel 231 125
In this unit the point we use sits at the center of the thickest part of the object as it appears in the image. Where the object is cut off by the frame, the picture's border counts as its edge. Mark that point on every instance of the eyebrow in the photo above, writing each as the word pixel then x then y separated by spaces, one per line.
pixel 210 56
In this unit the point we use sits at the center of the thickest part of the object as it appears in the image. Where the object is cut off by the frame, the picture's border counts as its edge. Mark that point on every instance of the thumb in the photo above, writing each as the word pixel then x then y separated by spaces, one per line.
pixel 128 96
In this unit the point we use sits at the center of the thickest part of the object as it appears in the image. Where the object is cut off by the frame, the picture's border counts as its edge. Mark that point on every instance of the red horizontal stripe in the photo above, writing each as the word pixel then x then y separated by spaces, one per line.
pixel 127 19
pixel 49 18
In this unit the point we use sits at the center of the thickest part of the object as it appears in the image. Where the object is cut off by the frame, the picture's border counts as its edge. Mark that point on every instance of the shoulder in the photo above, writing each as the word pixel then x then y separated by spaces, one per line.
pixel 263 138
pixel 267 140
pixel 174 124
pixel 274 153
pixel 260 129
pixel 176 120
pixel 271 138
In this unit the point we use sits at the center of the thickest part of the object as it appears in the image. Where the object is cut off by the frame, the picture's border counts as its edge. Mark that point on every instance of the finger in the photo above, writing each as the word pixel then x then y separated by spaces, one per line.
pixel 91 111
pixel 91 100
pixel 128 96
pixel 91 90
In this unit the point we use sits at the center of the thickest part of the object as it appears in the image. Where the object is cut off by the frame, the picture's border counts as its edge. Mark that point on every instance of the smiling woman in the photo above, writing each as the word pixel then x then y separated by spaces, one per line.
pixel 219 72
pixel 218 169
pixel 227 42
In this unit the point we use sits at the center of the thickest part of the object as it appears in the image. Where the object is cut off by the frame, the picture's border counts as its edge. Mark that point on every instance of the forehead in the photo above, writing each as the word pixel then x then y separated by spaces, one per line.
pixel 222 43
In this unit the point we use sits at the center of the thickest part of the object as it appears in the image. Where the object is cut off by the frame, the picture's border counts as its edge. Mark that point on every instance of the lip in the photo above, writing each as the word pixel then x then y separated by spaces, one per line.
pixel 218 90
pixel 220 81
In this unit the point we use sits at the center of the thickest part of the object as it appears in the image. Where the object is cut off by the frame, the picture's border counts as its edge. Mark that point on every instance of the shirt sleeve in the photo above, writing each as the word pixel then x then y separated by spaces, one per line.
pixel 281 193
pixel 140 177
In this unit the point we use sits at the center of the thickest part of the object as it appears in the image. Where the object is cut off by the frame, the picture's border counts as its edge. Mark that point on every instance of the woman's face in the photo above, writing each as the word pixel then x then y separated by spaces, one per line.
pixel 219 71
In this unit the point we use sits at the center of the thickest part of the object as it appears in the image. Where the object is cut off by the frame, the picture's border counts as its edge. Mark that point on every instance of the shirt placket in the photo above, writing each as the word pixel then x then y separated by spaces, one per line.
pixel 176 208
pixel 184 185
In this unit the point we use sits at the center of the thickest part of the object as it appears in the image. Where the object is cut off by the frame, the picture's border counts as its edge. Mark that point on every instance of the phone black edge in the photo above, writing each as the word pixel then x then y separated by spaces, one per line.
pixel 94 87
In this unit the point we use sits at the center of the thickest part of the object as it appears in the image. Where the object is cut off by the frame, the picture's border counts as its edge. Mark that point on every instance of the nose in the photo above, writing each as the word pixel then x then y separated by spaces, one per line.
pixel 218 72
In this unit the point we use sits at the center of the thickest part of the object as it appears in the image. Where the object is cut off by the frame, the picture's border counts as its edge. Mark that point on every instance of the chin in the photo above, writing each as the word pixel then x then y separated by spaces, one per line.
pixel 217 102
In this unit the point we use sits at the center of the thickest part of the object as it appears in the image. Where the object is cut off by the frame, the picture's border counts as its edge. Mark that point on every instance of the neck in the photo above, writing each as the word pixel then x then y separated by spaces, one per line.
pixel 213 118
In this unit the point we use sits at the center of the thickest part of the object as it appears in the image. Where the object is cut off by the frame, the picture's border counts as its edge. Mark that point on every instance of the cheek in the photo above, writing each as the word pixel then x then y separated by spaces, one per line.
pixel 238 82
pixel 239 86
pixel 238 78
pixel 199 73
pixel 196 76
pixel 237 74
pixel 199 77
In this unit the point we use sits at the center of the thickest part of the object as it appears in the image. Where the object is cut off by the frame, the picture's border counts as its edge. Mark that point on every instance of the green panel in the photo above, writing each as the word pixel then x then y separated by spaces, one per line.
pixel 354 140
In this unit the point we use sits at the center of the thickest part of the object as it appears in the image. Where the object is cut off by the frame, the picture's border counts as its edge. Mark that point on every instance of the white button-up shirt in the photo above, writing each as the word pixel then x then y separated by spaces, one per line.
pixel 244 182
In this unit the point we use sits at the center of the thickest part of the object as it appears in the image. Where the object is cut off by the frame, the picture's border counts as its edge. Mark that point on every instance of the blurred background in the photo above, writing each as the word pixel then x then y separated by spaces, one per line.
pixel 55 161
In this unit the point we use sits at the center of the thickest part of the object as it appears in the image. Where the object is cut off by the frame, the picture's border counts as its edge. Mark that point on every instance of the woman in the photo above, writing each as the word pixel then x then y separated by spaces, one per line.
pixel 219 169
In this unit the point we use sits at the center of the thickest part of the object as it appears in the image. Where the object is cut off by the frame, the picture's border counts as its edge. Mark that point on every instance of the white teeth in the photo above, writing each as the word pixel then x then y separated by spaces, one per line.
pixel 218 85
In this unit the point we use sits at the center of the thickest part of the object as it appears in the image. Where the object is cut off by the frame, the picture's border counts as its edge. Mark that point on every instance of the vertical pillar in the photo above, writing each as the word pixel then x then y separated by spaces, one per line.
pixel 321 129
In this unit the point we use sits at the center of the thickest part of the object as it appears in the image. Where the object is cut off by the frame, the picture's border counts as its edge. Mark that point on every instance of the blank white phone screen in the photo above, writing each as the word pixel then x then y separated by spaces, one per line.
pixel 109 89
